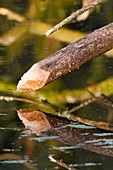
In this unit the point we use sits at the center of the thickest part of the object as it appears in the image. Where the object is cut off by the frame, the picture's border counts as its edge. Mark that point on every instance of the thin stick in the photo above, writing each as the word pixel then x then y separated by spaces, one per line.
pixel 61 163
pixel 8 99
pixel 97 124
pixel 102 99
pixel 74 15
pixel 43 103
pixel 82 105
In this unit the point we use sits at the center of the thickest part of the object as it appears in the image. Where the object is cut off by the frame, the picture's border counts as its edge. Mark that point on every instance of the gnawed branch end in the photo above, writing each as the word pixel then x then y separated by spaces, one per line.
pixel 67 59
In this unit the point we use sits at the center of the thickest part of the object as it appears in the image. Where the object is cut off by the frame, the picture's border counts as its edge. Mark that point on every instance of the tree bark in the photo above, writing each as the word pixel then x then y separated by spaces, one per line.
pixel 67 59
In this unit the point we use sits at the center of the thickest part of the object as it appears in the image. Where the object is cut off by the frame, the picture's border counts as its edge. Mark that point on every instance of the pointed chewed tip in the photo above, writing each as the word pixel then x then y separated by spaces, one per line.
pixel 35 78
pixel 28 85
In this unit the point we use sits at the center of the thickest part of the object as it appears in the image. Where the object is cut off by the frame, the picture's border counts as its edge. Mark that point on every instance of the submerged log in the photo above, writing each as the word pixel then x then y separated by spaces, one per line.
pixel 67 59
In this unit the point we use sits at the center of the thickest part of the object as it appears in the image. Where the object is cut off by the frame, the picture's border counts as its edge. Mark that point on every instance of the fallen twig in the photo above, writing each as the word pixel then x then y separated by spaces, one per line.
pixel 82 105
pixel 74 15
pixel 11 98
pixel 97 124
pixel 102 99
pixel 99 99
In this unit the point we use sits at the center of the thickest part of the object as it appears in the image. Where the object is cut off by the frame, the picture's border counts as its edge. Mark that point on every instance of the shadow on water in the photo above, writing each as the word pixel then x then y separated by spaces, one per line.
pixel 35 125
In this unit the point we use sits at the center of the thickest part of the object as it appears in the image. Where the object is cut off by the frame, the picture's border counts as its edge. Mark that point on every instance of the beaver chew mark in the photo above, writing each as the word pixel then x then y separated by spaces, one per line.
pixel 33 79
pixel 30 85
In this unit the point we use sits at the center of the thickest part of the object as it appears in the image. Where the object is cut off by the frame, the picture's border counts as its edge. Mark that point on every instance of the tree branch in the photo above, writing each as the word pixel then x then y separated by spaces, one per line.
pixel 75 15
pixel 67 59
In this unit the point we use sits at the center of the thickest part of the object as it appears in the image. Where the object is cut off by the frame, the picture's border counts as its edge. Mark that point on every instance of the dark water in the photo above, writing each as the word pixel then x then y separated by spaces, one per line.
pixel 29 137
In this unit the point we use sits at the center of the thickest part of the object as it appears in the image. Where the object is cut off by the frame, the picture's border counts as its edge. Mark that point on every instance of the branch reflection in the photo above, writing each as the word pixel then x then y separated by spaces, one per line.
pixel 68 132
pixel 35 120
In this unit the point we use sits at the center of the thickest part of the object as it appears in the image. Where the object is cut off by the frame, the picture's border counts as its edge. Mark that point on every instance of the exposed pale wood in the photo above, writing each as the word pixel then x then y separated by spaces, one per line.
pixel 67 59
pixel 34 78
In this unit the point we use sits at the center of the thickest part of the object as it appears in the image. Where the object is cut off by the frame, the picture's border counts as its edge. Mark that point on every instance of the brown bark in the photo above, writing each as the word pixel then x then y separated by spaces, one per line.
pixel 67 59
